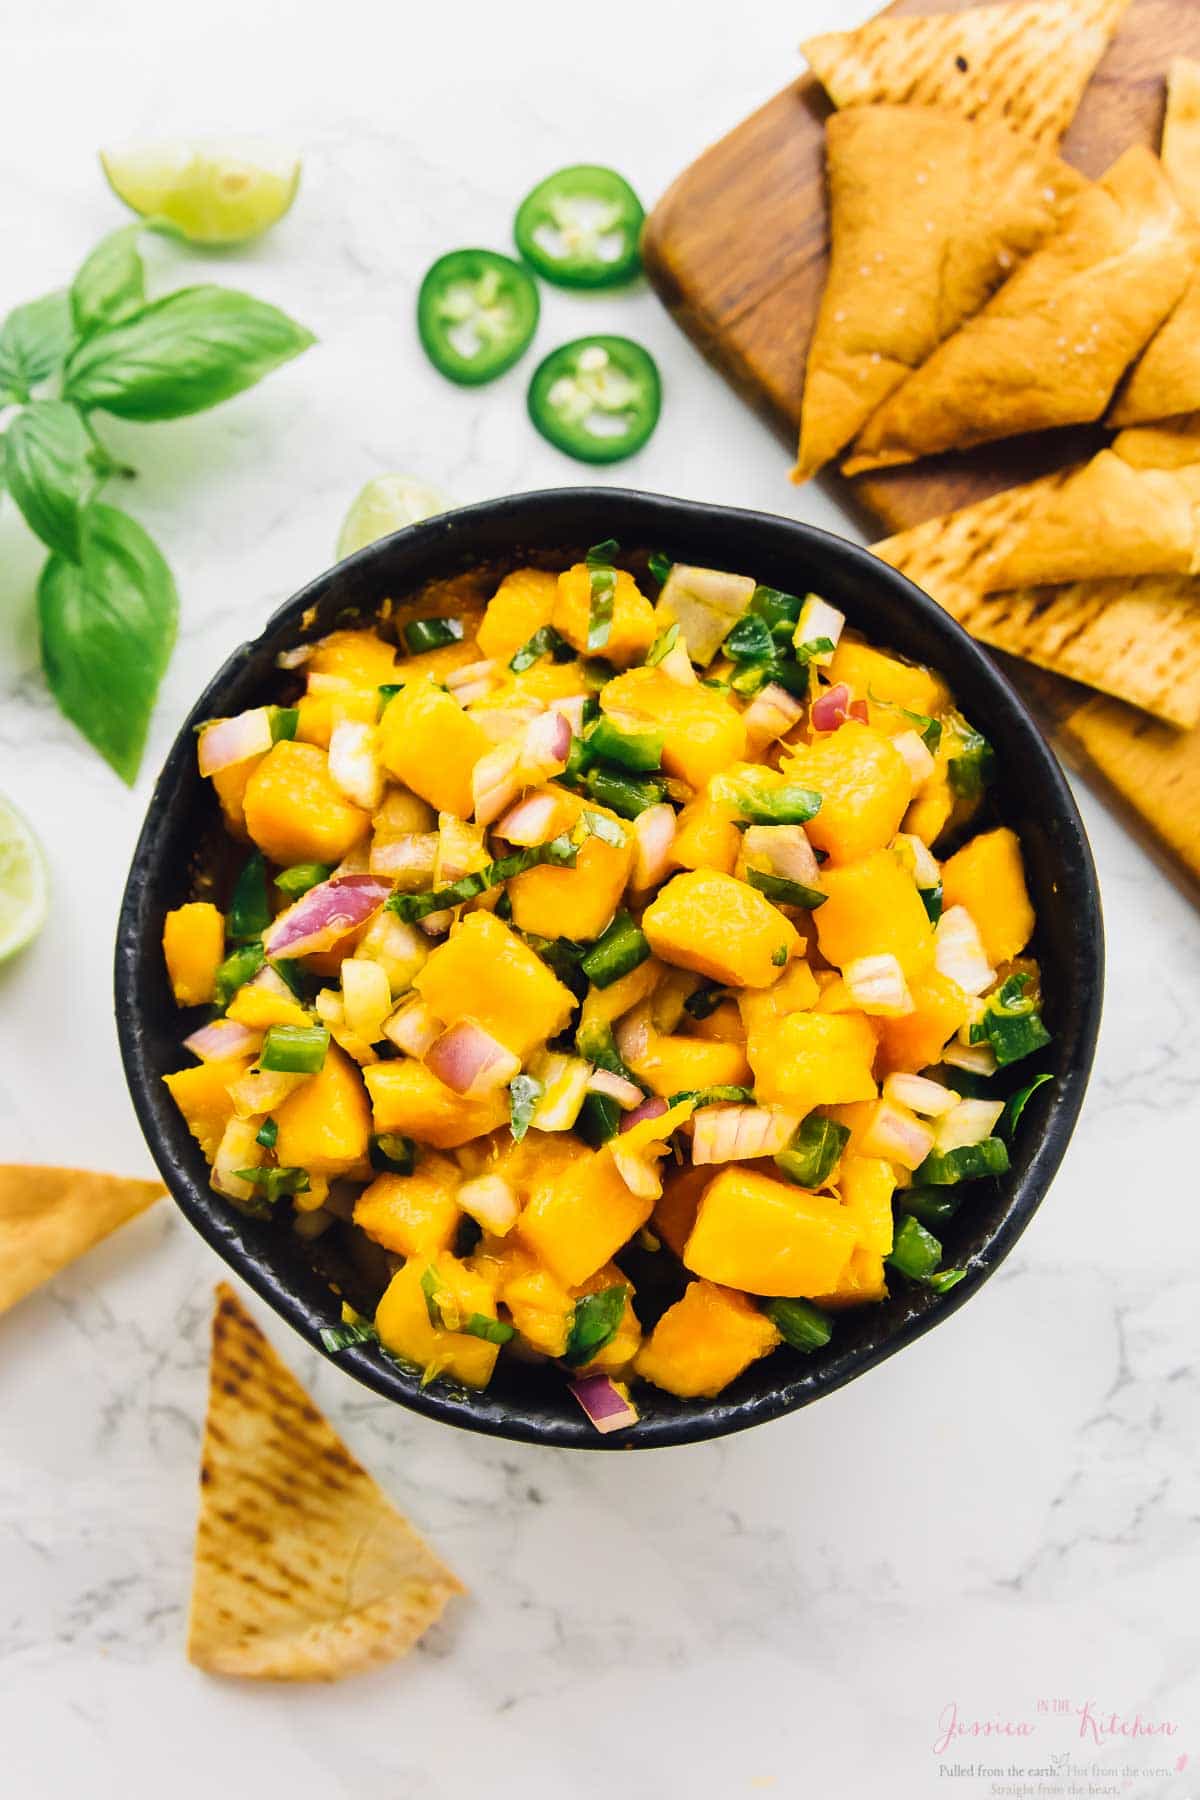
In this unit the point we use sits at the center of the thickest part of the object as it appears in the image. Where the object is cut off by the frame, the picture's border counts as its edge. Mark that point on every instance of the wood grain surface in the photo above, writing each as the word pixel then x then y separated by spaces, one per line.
pixel 737 249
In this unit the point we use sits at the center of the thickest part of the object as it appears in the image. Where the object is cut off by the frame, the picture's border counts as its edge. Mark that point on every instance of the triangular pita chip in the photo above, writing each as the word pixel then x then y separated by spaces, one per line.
pixel 929 214
pixel 1172 445
pixel 1136 639
pixel 1049 348
pixel 1108 519
pixel 48 1217
pixel 304 1569
pixel 1024 66
pixel 1155 769
pixel 1166 379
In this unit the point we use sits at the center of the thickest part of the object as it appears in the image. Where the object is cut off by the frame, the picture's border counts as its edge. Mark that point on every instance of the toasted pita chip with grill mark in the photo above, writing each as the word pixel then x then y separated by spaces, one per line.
pixel 929 214
pixel 48 1217
pixel 1049 348
pixel 1155 769
pixel 1024 66
pixel 304 1570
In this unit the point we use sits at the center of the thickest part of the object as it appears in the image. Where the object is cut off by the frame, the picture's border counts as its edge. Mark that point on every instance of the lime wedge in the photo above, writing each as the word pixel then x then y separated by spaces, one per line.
pixel 388 503
pixel 213 192
pixel 23 888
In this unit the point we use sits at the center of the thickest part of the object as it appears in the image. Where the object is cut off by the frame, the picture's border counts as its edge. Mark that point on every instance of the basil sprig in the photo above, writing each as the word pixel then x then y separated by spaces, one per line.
pixel 106 599
pixel 603 592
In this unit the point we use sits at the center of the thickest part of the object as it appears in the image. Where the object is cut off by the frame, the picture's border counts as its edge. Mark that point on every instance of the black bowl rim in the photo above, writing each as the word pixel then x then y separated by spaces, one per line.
pixel 660 517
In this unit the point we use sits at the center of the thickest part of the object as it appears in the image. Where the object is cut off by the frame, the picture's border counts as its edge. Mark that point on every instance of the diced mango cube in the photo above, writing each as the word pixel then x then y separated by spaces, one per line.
pixel 720 927
pixel 202 1096
pixel 886 684
pixel 429 743
pixel 325 1125
pixel 862 1280
pixel 406 1097
pixel 867 1184
pixel 412 1215
pixel 706 836
pixel 807 1059
pixel 704 1342
pixel 767 1237
pixel 405 1328
pixel 632 631
pixel 521 605
pixel 361 658
pixel 913 1042
pixel 672 1064
pixel 874 909
pixel 702 733
pixel 578 1220
pixel 295 811
pixel 484 971
pixel 865 788
pixel 578 902
pixel 193 943
pixel 987 876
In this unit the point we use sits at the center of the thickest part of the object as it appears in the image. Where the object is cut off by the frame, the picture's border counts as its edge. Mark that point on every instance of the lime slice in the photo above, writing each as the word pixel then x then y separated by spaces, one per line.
pixel 388 503
pixel 23 889
pixel 213 192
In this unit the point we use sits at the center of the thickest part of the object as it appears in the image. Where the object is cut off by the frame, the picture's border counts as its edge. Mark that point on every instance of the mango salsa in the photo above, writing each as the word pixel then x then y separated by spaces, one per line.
pixel 527 979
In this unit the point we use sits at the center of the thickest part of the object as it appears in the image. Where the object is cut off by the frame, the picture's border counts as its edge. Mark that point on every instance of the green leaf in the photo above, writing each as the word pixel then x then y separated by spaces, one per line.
pixel 524 1094
pixel 594 1323
pixel 51 473
pixel 34 339
pixel 107 629
pixel 181 354
pixel 111 284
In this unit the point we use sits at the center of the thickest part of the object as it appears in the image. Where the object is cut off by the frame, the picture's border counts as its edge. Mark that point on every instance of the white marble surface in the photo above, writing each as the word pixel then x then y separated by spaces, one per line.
pixel 1004 1515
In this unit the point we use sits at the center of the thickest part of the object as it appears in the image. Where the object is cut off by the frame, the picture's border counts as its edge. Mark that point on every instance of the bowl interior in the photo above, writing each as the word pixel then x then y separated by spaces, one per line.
pixel 182 827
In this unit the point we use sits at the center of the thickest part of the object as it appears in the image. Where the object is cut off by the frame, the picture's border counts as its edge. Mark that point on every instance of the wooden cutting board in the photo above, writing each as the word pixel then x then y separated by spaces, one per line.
pixel 737 250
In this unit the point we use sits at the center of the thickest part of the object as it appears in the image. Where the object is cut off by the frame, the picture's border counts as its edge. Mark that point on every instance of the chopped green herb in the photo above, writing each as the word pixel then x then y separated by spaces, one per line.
pixel 704 1001
pixel 300 877
pixel 284 720
pixel 799 1323
pixel 721 1095
pixel 238 968
pixel 785 893
pixel 266 1134
pixel 660 566
pixel 249 909
pixel 812 648
pixel 915 1251
pixel 387 693
pixel 563 955
pixel 623 794
pixel 637 750
pixel 524 1093
pixel 493 1331
pixel 779 957
pixel 603 578
pixel 750 640
pixel 431 1287
pixel 662 646
pixel 392 1153
pixel 974 767
pixel 942 1168
pixel 561 851
pixel 341 1337
pixel 942 1280
pixel 599 1120
pixel 504 909
pixel 546 641
pixel 620 948
pixel 294 1049
pixel 596 1044
pixel 1011 1023
pixel 786 804
pixel 606 829
pixel 1017 1103
pixel 431 634
pixel 273 1184
pixel 931 900
pixel 594 1323
pixel 752 677
pixel 929 729
pixel 815 1147
pixel 780 610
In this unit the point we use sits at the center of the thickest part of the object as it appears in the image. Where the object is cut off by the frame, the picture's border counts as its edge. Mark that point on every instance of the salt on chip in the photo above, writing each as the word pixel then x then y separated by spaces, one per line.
pixel 1049 348
pixel 929 213
pixel 50 1216
pixel 304 1570
pixel 1024 66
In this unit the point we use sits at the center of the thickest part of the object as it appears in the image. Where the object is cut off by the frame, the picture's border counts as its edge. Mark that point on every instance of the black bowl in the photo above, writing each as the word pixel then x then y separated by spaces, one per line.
pixel 528 1402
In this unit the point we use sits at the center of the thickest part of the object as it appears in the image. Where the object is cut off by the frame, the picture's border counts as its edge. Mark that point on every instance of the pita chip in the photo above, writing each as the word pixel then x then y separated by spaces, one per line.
pixel 1166 379
pixel 1155 769
pixel 1049 348
pixel 48 1217
pixel 929 214
pixel 1137 639
pixel 304 1569
pixel 1024 66
pixel 1173 444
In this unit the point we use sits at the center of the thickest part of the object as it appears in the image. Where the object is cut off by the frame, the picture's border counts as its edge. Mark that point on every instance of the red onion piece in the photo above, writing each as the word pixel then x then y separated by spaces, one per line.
pixel 413 1027
pixel 544 747
pixel 324 915
pixel 736 1133
pixel 571 709
pixel 229 741
pixel 632 1034
pixel 408 861
pixel 225 1037
pixel 604 1403
pixel 832 708
pixel 469 1060
pixel 653 837
pixel 533 820
pixel 495 781
pixel 649 1109
pixel 894 1134
pixel 627 1094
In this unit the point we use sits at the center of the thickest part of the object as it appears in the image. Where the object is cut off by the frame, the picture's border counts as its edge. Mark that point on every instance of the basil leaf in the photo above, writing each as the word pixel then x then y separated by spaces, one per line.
pixel 594 1323
pixel 34 339
pixel 524 1093
pixel 107 628
pixel 181 354
pixel 111 283
pixel 51 472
